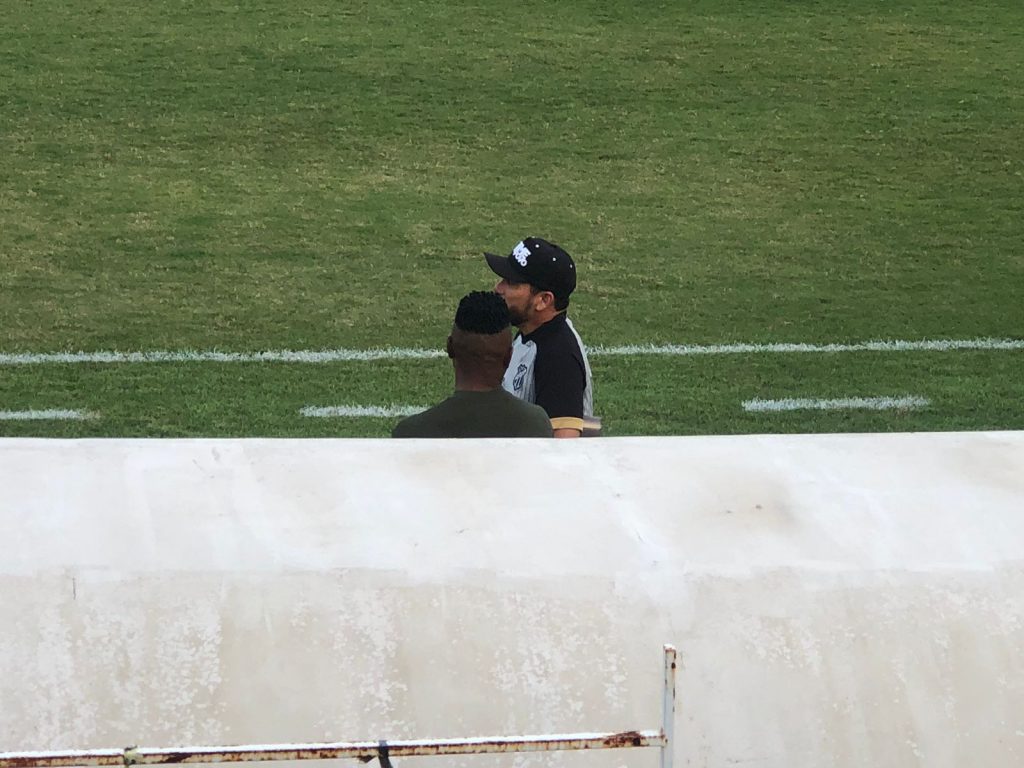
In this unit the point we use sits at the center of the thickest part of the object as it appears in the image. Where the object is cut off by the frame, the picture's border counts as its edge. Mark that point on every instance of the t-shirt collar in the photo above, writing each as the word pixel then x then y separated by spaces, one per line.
pixel 550 326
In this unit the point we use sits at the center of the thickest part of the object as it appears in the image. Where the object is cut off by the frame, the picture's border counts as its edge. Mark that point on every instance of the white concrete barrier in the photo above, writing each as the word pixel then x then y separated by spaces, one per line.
pixel 837 600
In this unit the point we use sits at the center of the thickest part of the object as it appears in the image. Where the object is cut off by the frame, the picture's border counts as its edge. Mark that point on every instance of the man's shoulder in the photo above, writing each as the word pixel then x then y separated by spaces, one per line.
pixel 532 419
pixel 487 414
pixel 557 330
pixel 424 424
pixel 513 403
pixel 560 341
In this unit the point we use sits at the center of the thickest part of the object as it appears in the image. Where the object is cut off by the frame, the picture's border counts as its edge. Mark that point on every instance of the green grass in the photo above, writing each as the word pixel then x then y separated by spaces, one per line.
pixel 279 175
pixel 640 396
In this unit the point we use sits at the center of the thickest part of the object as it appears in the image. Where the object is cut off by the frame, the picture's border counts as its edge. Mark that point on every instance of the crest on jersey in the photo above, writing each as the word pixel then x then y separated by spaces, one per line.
pixel 517 382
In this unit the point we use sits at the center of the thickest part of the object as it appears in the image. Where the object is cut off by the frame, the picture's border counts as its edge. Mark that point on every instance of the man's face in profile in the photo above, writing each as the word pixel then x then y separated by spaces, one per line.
pixel 518 298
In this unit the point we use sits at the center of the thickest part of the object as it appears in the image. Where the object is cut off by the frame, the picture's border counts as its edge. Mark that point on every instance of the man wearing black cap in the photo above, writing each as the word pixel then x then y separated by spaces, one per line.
pixel 549 362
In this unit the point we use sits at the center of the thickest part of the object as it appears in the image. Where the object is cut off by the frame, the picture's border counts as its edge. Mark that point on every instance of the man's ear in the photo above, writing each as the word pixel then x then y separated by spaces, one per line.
pixel 547 299
pixel 448 347
pixel 507 358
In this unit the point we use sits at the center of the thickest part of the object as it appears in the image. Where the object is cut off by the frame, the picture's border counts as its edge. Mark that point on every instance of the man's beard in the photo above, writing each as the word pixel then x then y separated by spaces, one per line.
pixel 516 317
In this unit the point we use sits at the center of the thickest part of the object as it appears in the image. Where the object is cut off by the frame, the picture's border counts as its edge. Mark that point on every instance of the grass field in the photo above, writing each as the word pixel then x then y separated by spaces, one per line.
pixel 325 175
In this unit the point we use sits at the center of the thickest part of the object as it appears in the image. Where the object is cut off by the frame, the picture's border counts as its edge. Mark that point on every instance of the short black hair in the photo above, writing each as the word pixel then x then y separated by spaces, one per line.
pixel 482 312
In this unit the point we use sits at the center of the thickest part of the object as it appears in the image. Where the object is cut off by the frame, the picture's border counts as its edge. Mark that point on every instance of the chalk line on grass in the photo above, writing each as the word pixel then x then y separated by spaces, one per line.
pixel 48 415
pixel 398 353
pixel 214 356
pixel 935 345
pixel 360 411
pixel 904 403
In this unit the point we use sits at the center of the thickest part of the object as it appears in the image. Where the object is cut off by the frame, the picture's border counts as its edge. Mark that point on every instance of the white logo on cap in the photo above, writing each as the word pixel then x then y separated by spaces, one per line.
pixel 521 254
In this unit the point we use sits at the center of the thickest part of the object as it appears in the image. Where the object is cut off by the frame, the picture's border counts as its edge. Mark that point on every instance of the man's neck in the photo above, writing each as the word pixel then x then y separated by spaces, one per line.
pixel 472 383
pixel 531 325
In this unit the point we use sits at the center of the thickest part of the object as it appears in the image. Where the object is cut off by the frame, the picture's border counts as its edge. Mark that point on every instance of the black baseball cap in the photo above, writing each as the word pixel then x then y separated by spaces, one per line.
pixel 541 264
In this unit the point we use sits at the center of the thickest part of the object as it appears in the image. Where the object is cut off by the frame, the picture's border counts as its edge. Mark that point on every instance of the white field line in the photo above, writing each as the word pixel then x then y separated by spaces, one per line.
pixel 395 353
pixel 213 356
pixel 47 415
pixel 357 411
pixel 837 404
pixel 937 345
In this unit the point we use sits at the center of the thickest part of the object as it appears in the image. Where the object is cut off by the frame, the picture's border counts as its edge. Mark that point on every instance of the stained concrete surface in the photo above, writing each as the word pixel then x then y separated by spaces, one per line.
pixel 837 600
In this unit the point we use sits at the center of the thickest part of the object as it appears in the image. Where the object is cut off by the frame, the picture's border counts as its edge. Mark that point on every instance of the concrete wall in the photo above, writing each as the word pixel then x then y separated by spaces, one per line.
pixel 850 600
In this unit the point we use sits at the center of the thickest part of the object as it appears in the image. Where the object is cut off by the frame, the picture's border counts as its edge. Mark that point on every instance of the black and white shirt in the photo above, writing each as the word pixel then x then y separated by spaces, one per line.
pixel 549 367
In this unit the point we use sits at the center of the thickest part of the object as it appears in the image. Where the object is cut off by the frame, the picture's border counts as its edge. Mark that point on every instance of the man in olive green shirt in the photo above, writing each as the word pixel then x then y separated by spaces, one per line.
pixel 480 347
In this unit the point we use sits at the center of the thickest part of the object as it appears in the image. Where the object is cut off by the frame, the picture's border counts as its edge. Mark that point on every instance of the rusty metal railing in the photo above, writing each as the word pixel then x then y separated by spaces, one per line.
pixel 367 750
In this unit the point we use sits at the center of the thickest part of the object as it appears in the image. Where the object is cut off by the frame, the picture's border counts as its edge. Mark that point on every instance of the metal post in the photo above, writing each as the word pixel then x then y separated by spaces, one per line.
pixel 668 709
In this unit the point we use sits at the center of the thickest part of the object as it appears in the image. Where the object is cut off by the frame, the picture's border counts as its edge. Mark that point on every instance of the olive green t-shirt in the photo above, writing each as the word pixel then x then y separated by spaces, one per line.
pixel 495 413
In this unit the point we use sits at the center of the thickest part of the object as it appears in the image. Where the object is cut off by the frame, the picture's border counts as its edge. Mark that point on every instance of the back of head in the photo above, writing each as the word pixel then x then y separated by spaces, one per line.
pixel 481 339
pixel 482 312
